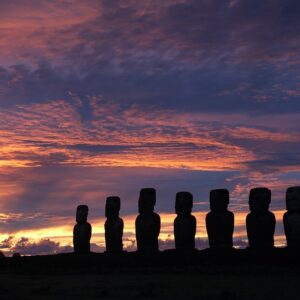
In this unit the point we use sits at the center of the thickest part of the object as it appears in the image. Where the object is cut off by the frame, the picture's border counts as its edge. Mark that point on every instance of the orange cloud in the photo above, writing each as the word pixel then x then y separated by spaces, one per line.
pixel 28 29
pixel 55 130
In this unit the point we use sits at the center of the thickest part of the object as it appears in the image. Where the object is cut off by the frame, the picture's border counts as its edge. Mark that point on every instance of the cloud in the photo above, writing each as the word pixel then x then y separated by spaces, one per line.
pixel 177 29
pixel 56 152
pixel 188 55
pixel 44 246
pixel 106 97
pixel 6 243
pixel 57 133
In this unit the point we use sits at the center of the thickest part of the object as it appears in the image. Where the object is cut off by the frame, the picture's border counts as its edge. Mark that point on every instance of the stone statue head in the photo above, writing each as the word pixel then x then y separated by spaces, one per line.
pixel 82 214
pixel 112 207
pixel 219 199
pixel 293 198
pixel 259 199
pixel 147 200
pixel 184 203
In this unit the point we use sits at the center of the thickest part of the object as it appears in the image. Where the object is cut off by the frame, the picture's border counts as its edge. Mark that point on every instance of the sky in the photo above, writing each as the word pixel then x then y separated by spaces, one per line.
pixel 105 97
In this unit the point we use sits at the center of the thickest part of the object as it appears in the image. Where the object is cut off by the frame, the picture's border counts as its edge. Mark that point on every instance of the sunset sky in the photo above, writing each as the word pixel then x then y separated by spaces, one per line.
pixel 105 97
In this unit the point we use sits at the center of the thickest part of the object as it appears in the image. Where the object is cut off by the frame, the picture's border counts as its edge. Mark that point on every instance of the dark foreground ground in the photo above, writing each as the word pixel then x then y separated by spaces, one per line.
pixel 236 274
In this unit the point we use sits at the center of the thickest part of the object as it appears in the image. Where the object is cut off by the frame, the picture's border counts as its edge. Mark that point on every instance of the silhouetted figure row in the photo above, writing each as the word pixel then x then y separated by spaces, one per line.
pixel 260 222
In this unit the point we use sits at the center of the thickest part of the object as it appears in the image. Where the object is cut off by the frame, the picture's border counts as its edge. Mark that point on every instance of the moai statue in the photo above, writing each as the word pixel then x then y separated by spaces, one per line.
pixel 219 221
pixel 113 225
pixel 260 221
pixel 291 219
pixel 185 223
pixel 82 230
pixel 147 223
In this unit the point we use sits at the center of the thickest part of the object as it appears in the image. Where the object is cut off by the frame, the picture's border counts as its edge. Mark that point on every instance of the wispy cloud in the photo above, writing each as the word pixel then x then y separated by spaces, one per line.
pixel 115 135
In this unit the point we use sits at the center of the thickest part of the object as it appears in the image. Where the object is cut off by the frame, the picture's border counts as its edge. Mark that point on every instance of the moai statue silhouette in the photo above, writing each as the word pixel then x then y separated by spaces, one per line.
pixel 260 221
pixel 185 223
pixel 147 223
pixel 82 230
pixel 291 219
pixel 113 225
pixel 219 221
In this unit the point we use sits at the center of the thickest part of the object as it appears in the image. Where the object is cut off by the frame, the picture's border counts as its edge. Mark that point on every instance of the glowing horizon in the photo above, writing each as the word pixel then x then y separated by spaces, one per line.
pixel 63 234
